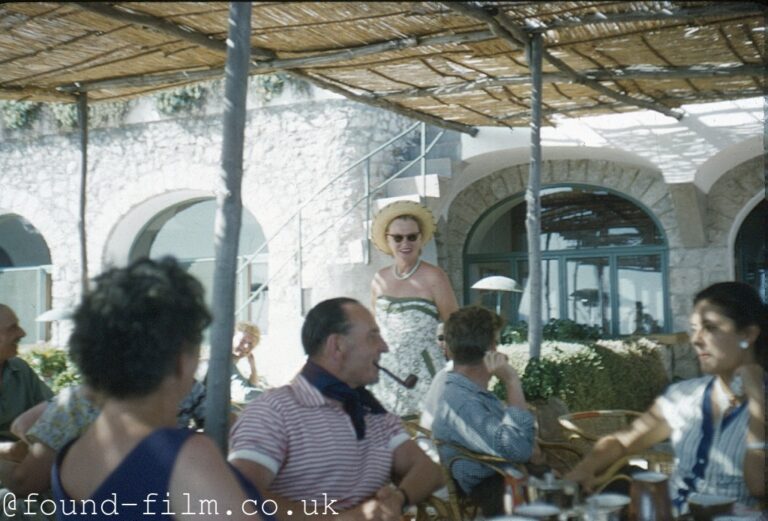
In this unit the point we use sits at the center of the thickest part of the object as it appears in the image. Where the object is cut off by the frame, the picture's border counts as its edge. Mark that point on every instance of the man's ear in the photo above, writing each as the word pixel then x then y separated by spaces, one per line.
pixel 338 345
pixel 332 347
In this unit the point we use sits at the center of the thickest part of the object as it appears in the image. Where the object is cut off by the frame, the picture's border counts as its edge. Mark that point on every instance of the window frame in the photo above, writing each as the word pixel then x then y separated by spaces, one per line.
pixel 562 256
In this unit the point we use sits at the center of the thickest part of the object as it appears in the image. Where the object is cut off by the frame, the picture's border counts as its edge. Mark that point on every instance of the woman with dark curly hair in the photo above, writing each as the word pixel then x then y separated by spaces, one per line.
pixel 136 342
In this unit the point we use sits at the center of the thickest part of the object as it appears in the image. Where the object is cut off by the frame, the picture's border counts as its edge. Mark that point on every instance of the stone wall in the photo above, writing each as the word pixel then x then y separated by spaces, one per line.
pixel 290 152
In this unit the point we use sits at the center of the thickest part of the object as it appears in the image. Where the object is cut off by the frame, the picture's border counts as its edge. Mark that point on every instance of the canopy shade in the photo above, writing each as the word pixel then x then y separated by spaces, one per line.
pixel 454 64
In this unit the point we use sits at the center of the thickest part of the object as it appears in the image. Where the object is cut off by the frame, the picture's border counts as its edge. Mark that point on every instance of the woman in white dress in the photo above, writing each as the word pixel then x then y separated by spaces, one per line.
pixel 409 299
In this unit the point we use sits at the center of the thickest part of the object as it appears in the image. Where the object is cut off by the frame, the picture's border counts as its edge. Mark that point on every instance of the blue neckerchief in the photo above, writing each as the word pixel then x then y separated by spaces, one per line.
pixel 357 402
pixel 708 434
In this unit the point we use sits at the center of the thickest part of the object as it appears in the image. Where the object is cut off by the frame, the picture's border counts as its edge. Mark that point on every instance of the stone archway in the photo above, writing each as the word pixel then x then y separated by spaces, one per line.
pixel 641 184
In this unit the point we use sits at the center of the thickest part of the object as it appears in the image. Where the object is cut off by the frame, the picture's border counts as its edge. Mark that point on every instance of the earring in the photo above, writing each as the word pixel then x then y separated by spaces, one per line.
pixel 743 344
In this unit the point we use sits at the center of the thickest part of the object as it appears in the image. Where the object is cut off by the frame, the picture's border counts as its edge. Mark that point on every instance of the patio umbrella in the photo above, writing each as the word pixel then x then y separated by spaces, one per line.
pixel 499 284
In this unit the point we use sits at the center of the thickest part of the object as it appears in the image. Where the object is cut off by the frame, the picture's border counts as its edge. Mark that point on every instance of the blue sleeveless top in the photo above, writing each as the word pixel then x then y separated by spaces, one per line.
pixel 138 488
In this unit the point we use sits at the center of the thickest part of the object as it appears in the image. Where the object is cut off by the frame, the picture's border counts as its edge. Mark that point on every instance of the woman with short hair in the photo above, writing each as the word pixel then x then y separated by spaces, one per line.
pixel 136 342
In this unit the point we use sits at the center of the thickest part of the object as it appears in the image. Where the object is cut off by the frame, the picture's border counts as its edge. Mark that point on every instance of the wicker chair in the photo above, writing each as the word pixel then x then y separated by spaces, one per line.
pixel 593 425
pixel 560 456
pixel 456 506
pixel 437 506
pixel 460 506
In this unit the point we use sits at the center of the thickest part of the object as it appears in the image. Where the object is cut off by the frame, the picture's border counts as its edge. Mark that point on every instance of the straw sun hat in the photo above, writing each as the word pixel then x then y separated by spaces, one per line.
pixel 397 209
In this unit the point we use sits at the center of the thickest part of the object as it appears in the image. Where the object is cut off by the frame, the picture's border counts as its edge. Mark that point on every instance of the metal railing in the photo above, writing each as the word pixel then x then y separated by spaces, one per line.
pixel 370 192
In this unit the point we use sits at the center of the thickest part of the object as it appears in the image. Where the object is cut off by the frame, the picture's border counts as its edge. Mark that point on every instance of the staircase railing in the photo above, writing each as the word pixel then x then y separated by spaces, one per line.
pixel 367 197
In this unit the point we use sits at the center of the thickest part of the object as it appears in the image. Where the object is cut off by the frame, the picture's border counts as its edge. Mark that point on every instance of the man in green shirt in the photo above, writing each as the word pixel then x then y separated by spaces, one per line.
pixel 20 387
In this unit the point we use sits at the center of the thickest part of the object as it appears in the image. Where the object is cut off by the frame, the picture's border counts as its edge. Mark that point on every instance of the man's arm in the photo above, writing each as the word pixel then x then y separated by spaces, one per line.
pixel 33 473
pixel 11 452
pixel 26 420
pixel 415 473
pixel 384 508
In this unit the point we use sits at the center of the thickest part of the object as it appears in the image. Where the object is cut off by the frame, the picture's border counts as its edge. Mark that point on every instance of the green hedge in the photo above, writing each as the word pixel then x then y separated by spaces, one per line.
pixel 606 374
pixel 52 365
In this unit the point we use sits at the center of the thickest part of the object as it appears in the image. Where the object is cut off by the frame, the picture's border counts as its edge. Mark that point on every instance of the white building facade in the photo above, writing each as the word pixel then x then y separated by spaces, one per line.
pixel 639 211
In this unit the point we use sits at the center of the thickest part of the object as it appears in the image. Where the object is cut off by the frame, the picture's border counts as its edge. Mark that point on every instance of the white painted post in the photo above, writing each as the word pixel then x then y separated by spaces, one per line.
pixel 533 200
pixel 227 223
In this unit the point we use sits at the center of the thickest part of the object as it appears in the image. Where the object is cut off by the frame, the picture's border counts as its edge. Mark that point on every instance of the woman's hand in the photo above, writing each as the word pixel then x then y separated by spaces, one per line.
pixel 584 477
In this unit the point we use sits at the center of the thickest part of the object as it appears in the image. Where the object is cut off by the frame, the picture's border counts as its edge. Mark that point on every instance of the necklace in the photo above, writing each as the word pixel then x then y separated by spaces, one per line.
pixel 724 397
pixel 408 273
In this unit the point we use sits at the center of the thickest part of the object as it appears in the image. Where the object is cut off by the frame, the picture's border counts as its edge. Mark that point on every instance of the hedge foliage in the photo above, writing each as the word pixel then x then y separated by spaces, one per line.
pixel 52 365
pixel 605 374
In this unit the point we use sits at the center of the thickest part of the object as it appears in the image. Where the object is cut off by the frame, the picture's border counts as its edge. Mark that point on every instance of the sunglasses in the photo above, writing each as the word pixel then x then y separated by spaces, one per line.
pixel 411 237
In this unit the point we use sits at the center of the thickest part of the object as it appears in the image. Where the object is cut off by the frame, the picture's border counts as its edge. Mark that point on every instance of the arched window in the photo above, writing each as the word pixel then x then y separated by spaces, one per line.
pixel 603 260
pixel 186 232
pixel 751 251
pixel 25 279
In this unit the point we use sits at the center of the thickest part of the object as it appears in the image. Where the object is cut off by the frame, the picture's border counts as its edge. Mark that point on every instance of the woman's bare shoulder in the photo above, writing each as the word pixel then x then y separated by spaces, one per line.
pixel 200 452
pixel 382 273
pixel 379 281
pixel 432 271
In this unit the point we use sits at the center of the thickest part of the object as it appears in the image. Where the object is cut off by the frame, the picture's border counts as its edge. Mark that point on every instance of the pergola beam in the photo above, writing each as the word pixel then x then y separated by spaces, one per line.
pixel 379 102
pixel 669 14
pixel 265 66
pixel 208 42
pixel 468 86
pixel 19 93
pixel 183 32
pixel 144 80
pixel 515 35
pixel 557 111
pixel 636 72
pixel 350 53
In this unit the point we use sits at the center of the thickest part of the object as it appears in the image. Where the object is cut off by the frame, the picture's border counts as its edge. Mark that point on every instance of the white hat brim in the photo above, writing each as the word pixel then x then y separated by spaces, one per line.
pixel 398 209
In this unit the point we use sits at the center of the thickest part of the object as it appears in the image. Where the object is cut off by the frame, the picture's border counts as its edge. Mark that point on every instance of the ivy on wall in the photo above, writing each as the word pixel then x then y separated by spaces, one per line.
pixel 99 114
pixel 18 114
pixel 189 98
pixel 185 98
pixel 269 86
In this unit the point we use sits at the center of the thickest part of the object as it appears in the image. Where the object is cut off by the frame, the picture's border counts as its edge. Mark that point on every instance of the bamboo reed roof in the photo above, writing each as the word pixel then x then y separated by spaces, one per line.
pixel 457 64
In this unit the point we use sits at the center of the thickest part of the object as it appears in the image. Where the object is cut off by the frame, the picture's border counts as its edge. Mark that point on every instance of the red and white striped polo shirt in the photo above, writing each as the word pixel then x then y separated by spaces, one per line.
pixel 309 443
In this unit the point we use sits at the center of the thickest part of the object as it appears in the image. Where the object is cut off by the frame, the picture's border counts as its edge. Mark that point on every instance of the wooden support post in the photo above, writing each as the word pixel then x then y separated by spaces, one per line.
pixel 82 121
pixel 534 53
pixel 227 223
